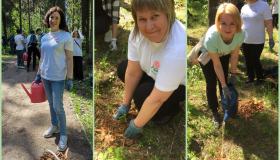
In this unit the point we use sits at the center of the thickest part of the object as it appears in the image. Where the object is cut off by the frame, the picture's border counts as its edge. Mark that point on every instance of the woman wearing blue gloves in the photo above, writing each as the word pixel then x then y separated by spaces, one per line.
pixel 56 62
pixel 256 15
pixel 154 74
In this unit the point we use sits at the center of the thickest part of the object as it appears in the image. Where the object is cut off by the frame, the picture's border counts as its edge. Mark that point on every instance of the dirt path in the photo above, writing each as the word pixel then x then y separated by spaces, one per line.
pixel 23 122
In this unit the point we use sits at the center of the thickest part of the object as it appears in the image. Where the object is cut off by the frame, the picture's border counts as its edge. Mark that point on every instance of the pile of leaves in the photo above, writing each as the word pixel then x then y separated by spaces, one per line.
pixel 113 130
pixel 49 156
pixel 248 108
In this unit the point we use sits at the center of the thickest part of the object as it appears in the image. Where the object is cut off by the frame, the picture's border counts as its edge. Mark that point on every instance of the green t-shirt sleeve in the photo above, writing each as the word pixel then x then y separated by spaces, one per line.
pixel 210 42
pixel 241 38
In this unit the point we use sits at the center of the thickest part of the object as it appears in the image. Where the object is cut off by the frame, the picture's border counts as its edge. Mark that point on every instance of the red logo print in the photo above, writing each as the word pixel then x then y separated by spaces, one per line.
pixel 156 64
pixel 57 39
pixel 255 9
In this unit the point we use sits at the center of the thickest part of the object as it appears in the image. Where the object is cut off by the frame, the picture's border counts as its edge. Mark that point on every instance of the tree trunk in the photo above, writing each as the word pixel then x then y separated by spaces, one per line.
pixel 211 14
pixel 73 27
pixel 85 21
pixel 28 14
pixel 233 2
pixel 53 3
pixel 4 22
pixel 91 34
pixel 20 25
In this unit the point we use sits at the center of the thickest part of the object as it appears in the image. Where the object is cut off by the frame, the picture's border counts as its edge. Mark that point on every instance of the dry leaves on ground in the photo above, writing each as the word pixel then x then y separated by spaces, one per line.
pixel 248 108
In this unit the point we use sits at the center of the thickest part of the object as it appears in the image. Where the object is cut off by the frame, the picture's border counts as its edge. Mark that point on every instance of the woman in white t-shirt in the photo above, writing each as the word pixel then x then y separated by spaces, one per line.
pixel 222 41
pixel 56 62
pixel 256 15
pixel 274 8
pixel 154 74
pixel 78 55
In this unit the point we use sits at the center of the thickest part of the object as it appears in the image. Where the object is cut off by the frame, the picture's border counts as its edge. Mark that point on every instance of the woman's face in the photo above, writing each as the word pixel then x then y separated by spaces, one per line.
pixel 76 34
pixel 227 26
pixel 152 24
pixel 54 20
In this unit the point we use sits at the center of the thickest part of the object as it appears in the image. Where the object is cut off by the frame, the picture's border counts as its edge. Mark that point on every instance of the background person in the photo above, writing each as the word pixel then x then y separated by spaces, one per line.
pixel 19 40
pixel 222 41
pixel 78 55
pixel 154 74
pixel 4 42
pixel 256 15
pixel 39 32
pixel 32 48
pixel 274 8
pixel 11 40
pixel 25 40
pixel 106 14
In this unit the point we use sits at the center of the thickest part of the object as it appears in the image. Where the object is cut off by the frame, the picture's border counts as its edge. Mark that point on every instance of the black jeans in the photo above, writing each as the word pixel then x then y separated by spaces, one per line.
pixel 144 89
pixel 211 81
pixel 275 20
pixel 252 56
pixel 101 24
pixel 78 68
pixel 35 51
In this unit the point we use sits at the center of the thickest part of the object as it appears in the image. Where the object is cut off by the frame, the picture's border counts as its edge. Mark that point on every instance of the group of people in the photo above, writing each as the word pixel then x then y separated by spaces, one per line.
pixel 233 30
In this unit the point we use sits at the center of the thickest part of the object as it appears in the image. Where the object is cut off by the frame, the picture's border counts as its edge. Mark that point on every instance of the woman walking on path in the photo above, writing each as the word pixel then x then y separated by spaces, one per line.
pixel 78 55
pixel 256 15
pixel 56 62
pixel 32 48
pixel 154 74
pixel 274 8
pixel 222 41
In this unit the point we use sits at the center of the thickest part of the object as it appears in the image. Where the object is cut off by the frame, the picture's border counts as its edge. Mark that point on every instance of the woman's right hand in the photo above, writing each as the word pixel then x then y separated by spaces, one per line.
pixel 226 92
pixel 123 109
pixel 38 79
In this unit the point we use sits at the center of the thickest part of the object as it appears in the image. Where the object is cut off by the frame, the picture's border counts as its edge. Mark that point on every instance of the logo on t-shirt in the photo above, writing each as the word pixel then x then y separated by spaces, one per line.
pixel 255 10
pixel 155 67
pixel 57 40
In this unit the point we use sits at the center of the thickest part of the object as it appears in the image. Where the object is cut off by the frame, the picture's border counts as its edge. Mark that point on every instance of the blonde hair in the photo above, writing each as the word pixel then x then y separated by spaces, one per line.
pixel 166 6
pixel 228 8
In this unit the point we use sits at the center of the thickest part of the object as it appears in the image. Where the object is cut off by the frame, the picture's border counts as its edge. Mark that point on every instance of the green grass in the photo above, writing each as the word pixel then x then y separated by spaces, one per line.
pixel 252 139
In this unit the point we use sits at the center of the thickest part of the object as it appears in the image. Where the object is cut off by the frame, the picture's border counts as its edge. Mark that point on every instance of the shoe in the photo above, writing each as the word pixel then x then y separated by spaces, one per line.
pixel 17 66
pixel 249 81
pixel 258 82
pixel 51 131
pixel 216 119
pixel 34 69
pixel 62 145
pixel 167 118
pixel 21 67
pixel 27 69
pixel 244 66
pixel 108 36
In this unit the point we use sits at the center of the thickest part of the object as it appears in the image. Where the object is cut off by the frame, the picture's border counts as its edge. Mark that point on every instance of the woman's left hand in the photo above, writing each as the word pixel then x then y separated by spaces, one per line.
pixel 271 43
pixel 232 80
pixel 132 130
pixel 69 84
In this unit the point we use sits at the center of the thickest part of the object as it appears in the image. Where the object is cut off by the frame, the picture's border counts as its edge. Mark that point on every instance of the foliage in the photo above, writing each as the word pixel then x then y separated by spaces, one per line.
pixel 197 12
pixel 118 154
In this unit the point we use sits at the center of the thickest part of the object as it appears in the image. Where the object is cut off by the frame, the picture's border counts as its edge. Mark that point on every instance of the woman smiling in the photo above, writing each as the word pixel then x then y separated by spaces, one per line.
pixel 222 41
pixel 154 74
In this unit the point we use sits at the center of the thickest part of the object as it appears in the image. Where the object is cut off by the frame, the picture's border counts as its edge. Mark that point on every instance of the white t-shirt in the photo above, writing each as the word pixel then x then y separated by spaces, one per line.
pixel 18 39
pixel 253 17
pixel 53 64
pixel 165 62
pixel 77 50
pixel 275 7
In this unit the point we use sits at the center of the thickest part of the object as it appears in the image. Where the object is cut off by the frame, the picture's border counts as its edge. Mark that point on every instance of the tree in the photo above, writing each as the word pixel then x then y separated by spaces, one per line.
pixel 211 14
pixel 85 21
pixel 20 24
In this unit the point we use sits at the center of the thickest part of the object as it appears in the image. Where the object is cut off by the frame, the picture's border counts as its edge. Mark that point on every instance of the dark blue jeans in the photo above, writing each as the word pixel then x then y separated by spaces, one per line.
pixel 19 57
pixel 12 48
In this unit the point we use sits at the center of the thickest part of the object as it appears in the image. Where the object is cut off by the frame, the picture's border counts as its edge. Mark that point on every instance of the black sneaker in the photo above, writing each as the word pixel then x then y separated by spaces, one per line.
pixel 27 69
pixel 249 81
pixel 216 119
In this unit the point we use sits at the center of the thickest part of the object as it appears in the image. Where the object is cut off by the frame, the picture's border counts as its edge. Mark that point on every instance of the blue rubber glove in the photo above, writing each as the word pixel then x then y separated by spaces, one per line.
pixel 123 109
pixel 132 130
pixel 38 79
pixel 226 92
pixel 271 43
pixel 232 80
pixel 69 84
pixel 212 8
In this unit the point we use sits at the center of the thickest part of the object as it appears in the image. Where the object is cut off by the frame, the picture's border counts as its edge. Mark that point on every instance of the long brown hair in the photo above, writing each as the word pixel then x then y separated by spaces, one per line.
pixel 62 24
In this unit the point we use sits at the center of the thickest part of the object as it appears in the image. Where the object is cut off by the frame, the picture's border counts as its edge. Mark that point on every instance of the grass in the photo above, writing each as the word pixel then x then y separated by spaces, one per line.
pixel 162 142
pixel 252 139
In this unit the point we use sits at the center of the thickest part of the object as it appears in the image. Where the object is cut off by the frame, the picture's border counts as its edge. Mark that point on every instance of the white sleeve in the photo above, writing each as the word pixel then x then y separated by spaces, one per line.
pixel 267 12
pixel 170 74
pixel 273 1
pixel 132 49
pixel 69 43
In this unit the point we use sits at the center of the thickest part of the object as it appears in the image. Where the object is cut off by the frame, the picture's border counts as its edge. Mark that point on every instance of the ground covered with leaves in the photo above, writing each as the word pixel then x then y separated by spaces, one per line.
pixel 154 142
pixel 254 133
